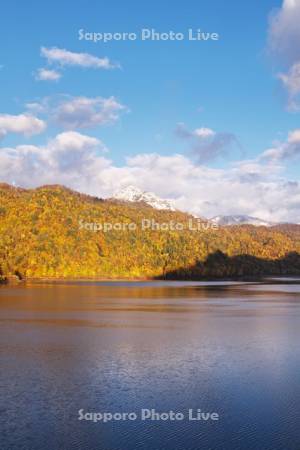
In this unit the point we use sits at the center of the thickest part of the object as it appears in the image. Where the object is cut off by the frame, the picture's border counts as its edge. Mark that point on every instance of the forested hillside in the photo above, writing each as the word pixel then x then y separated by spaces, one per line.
pixel 53 232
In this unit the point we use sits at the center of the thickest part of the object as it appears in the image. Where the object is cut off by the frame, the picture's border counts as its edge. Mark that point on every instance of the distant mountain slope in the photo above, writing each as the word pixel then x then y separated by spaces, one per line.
pixel 134 194
pixel 240 220
pixel 53 231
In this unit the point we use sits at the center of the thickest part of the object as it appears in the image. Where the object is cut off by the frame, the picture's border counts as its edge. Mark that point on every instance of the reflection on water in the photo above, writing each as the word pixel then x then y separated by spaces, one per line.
pixel 227 347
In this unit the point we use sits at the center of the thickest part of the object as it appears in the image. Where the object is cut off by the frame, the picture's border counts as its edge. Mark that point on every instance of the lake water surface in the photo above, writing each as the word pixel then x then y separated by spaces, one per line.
pixel 223 347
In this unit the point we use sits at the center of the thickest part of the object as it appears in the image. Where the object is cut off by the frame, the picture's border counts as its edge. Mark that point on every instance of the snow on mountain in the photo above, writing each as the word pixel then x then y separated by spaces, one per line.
pixel 240 220
pixel 134 194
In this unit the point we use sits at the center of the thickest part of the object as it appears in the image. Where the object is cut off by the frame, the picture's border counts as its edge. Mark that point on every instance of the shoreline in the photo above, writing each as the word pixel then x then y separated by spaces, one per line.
pixel 276 279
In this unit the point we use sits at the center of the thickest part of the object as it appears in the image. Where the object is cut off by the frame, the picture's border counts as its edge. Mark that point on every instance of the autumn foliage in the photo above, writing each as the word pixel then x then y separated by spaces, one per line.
pixel 40 236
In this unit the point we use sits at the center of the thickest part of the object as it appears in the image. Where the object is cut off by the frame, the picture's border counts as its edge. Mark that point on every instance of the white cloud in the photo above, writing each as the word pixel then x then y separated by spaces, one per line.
pixel 72 141
pixel 254 187
pixel 67 58
pixel 284 43
pixel 70 158
pixel 291 81
pixel 290 149
pixel 204 132
pixel 36 107
pixel 284 31
pixel 85 112
pixel 78 112
pixel 25 124
pixel 47 75
pixel 207 144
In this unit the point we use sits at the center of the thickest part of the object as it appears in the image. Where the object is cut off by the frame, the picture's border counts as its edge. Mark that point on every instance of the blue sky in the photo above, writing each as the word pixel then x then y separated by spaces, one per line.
pixel 229 86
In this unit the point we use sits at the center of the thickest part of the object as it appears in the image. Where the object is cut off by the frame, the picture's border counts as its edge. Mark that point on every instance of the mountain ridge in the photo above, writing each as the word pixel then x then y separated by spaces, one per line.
pixel 135 195
pixel 54 232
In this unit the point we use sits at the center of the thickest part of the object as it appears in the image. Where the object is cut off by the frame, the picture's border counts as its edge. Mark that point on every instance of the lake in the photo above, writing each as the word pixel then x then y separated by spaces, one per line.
pixel 224 348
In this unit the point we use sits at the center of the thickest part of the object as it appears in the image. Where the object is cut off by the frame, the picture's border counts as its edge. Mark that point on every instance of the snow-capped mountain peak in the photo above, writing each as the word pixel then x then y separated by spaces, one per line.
pixel 240 220
pixel 134 194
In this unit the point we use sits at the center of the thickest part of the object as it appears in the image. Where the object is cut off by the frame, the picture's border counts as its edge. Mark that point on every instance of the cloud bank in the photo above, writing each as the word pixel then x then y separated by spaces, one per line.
pixel 253 187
